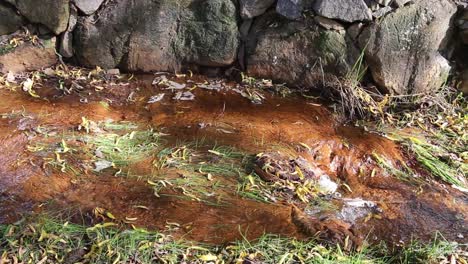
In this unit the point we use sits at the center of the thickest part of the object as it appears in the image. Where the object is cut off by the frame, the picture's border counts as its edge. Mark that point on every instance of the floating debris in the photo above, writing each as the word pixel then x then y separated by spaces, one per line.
pixel 159 79
pixel 171 85
pixel 254 95
pixel 11 77
pixel 156 98
pixel 274 166
pixel 217 86
pixel 175 86
pixel 326 186
pixel 356 208
pixel 224 131
pixel 184 96
pixel 101 165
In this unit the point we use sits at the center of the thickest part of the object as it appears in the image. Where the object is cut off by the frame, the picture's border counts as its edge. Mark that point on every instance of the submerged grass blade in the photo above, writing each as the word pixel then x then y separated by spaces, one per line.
pixel 425 155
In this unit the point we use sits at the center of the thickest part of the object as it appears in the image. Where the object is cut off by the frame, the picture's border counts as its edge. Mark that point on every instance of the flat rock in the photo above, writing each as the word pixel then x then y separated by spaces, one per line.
pixel 328 23
pixel 10 21
pixel 344 10
pixel 88 7
pixel 254 8
pixel 29 57
pixel 53 14
pixel 403 49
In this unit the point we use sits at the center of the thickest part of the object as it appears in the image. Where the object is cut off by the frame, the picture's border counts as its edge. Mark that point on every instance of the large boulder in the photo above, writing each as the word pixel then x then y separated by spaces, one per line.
pixel 10 21
pixel 51 13
pixel 254 8
pixel 299 53
pixel 88 7
pixel 159 35
pixel 292 9
pixel 28 57
pixel 344 10
pixel 403 49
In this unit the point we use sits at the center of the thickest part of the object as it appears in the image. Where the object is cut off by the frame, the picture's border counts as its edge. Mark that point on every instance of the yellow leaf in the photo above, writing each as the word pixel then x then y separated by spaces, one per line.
pixel 208 257
pixel 110 215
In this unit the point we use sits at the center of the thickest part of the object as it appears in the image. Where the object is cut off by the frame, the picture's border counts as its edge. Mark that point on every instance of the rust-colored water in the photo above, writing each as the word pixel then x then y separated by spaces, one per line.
pixel 228 119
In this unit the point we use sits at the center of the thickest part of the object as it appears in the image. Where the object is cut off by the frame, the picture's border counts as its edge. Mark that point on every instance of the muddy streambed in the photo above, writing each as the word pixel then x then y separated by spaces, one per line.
pixel 182 158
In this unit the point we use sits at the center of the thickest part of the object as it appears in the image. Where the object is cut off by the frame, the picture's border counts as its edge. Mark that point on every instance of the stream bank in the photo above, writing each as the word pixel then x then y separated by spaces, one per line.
pixel 180 155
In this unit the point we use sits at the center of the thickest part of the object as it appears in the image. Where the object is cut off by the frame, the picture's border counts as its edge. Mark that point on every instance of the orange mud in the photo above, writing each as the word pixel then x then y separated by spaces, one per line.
pixel 226 118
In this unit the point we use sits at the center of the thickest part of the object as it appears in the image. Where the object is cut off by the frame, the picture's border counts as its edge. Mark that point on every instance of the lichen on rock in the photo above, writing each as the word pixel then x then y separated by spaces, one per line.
pixel 159 36
pixel 53 14
pixel 298 52
pixel 403 50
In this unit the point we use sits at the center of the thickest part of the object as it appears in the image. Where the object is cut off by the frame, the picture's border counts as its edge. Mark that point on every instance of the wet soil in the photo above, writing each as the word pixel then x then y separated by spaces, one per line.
pixel 224 118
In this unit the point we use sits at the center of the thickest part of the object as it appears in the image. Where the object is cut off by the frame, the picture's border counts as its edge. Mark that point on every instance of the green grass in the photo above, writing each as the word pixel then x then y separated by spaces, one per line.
pixel 204 173
pixel 405 174
pixel 444 161
pixel 358 71
pixel 125 149
pixel 7 48
pixel 120 143
pixel 439 250
pixel 426 154
pixel 41 238
pixel 252 187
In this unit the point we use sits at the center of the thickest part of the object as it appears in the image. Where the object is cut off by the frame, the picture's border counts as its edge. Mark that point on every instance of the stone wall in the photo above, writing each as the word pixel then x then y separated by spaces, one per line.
pixel 407 45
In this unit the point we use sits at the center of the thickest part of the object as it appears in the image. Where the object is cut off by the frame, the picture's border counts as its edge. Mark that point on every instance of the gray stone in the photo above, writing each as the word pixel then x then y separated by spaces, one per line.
pixel 400 3
pixel 355 30
pixel 245 28
pixel 461 3
pixel 384 2
pixel 403 49
pixel 299 53
pixel 159 36
pixel 10 21
pixel 344 10
pixel 328 23
pixel 372 4
pixel 88 7
pixel 66 39
pixel 53 14
pixel 464 82
pixel 42 30
pixel 464 36
pixel 113 72
pixel 291 9
pixel 254 8
pixel 464 25
pixel 66 45
pixel 464 15
pixel 382 12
